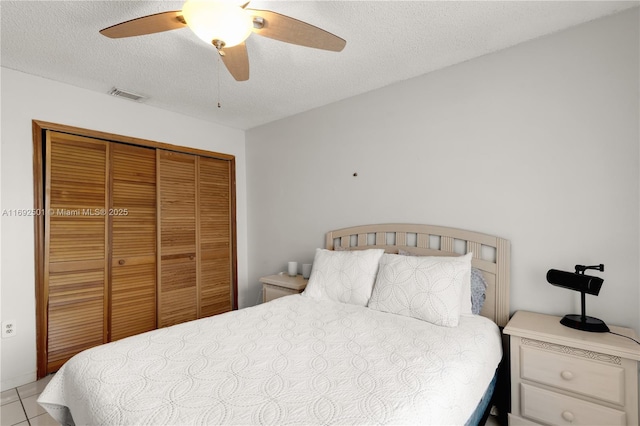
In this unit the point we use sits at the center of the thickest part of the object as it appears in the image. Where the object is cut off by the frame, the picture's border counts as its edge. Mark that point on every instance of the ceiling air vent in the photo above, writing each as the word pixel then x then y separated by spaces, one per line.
pixel 127 95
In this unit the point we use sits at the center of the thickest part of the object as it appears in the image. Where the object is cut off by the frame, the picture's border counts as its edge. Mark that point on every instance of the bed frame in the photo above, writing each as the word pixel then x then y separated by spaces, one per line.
pixel 490 254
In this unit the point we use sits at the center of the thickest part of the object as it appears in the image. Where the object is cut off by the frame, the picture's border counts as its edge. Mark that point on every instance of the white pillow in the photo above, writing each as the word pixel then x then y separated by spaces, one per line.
pixel 467 304
pixel 428 288
pixel 343 276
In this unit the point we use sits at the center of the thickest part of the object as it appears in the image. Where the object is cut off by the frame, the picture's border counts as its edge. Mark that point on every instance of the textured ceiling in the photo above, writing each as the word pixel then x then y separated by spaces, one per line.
pixel 387 41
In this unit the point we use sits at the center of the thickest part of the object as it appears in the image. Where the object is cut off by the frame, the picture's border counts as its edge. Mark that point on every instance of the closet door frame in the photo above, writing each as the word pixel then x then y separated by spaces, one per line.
pixel 39 129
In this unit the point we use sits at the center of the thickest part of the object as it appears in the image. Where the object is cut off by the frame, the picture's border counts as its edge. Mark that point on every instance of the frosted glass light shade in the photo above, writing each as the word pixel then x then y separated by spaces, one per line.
pixel 211 20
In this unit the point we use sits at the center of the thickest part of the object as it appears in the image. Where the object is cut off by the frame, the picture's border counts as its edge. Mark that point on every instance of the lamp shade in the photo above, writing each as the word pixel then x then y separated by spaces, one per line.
pixel 211 21
pixel 573 281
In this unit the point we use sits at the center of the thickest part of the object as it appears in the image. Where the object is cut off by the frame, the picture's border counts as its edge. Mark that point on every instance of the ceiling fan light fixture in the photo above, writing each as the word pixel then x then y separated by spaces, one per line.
pixel 214 20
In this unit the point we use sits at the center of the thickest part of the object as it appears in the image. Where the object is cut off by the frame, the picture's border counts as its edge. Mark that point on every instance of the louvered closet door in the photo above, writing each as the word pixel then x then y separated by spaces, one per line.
pixel 215 265
pixel 133 258
pixel 177 222
pixel 75 245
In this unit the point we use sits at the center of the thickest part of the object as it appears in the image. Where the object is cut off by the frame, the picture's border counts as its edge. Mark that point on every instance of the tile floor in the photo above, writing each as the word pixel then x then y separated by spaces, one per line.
pixel 19 406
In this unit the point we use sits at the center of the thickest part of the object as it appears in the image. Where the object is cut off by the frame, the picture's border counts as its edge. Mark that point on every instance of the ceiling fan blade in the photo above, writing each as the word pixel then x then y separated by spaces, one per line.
pixel 290 30
pixel 236 59
pixel 163 21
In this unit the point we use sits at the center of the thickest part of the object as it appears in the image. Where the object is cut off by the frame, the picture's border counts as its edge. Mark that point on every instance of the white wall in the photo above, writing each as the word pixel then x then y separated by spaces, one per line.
pixel 538 144
pixel 24 98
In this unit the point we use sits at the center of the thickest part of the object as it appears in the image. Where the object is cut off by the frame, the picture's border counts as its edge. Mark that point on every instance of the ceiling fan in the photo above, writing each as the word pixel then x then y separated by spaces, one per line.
pixel 227 26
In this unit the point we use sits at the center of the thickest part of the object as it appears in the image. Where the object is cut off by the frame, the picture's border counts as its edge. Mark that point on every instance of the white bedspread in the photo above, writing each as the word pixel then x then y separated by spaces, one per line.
pixel 290 361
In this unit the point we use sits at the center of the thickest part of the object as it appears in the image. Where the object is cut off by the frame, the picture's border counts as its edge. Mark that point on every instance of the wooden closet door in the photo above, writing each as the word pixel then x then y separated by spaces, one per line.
pixel 76 245
pixel 177 218
pixel 133 240
pixel 215 236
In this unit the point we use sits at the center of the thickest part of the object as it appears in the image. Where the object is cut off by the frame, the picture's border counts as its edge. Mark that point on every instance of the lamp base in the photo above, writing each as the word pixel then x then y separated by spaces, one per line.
pixel 591 324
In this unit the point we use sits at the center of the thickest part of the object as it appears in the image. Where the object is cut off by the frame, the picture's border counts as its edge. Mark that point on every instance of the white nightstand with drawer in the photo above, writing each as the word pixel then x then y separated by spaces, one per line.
pixel 279 285
pixel 562 376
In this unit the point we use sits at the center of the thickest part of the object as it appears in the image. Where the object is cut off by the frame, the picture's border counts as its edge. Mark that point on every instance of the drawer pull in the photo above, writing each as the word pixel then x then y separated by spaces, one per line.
pixel 121 262
pixel 567 375
pixel 568 416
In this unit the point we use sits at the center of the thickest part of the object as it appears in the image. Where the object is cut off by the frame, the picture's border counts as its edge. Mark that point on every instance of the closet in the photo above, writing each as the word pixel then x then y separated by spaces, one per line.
pixel 195 260
pixel 178 216
pixel 76 263
pixel 133 240
pixel 136 235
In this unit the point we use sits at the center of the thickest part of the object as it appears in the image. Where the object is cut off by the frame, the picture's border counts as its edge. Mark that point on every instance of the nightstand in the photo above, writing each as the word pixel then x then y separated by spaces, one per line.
pixel 563 376
pixel 280 285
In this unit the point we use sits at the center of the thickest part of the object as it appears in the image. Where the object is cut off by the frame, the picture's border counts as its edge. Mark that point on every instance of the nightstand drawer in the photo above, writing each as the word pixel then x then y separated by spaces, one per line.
pixel 270 292
pixel 557 409
pixel 584 376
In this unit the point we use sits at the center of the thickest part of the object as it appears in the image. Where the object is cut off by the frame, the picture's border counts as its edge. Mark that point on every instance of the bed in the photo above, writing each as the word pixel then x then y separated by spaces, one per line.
pixel 309 358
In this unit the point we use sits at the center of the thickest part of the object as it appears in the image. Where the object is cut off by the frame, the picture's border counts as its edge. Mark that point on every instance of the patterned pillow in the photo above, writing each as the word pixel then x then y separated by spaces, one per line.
pixel 428 288
pixel 472 296
pixel 478 290
pixel 343 276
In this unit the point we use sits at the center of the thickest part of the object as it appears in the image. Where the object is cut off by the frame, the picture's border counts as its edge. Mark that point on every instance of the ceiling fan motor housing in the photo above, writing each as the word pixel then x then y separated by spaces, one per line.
pixel 217 22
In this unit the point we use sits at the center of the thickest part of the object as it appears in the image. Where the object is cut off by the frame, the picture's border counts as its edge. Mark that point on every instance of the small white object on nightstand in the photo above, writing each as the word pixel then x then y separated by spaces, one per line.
pixel 292 267
pixel 562 376
pixel 279 285
pixel 306 270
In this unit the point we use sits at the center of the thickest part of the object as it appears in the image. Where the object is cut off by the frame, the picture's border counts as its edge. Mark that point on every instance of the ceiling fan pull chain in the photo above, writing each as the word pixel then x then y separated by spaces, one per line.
pixel 218 76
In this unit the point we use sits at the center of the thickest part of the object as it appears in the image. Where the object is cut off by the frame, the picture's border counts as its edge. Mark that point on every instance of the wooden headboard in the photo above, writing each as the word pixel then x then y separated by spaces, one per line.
pixel 490 254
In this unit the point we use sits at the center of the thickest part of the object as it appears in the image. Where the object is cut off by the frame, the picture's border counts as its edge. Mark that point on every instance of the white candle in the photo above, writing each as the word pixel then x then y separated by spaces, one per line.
pixel 293 269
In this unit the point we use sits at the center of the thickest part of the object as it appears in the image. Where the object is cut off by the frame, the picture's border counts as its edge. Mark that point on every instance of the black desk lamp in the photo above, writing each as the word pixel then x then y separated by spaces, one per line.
pixel 584 284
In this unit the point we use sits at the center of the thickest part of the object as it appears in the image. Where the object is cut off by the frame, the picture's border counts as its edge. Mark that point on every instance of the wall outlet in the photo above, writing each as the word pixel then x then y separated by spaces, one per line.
pixel 8 329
